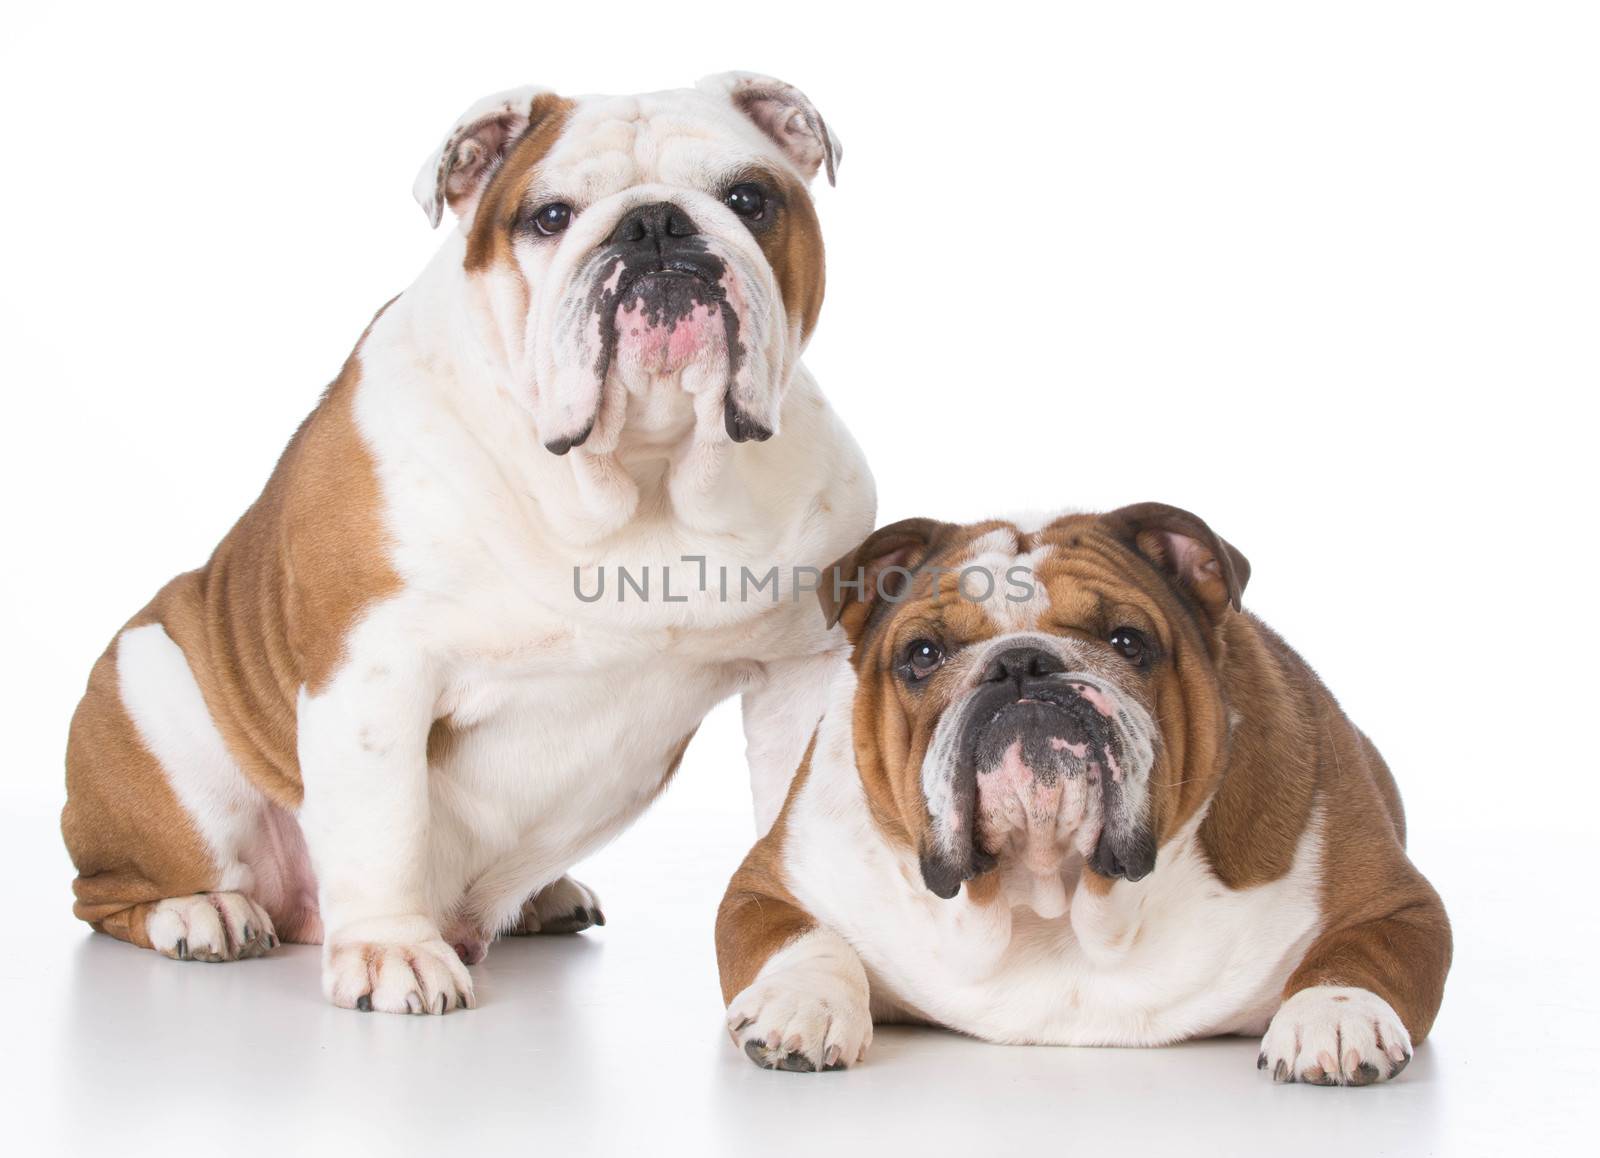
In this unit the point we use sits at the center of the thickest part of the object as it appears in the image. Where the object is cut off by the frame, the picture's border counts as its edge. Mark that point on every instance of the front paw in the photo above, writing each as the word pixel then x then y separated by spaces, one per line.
pixel 802 1020
pixel 406 969
pixel 1335 1035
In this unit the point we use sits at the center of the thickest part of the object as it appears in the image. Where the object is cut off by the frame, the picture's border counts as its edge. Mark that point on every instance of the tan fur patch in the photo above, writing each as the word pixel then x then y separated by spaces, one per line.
pixel 759 915
pixel 893 729
pixel 1386 927
pixel 793 248
pixel 130 838
pixel 489 239
pixel 268 613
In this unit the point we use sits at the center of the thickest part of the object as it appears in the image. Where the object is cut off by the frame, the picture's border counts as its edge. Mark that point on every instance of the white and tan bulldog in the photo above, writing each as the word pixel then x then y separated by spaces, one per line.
pixel 1067 792
pixel 466 632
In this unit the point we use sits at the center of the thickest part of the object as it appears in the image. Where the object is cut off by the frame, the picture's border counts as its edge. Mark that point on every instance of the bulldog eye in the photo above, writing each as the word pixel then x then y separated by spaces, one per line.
pixel 553 218
pixel 923 658
pixel 1130 644
pixel 747 199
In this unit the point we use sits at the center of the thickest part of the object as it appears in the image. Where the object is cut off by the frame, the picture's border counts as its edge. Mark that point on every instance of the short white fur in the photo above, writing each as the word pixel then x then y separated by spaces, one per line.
pixel 565 715
pixel 1173 956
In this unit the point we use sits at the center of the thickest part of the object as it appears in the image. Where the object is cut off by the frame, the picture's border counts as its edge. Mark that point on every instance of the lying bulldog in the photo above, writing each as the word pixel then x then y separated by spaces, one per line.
pixel 1165 826
pixel 412 685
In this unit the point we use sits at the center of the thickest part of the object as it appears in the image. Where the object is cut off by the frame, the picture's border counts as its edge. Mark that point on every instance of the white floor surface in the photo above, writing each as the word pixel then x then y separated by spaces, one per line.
pixel 610 1042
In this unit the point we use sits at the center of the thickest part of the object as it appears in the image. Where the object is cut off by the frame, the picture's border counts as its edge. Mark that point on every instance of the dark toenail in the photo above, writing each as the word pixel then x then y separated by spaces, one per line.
pixel 364 1003
pixel 1366 1074
pixel 183 947
pixel 1280 1072
pixel 461 999
pixel 1261 1061
pixel 599 917
pixel 249 933
pixel 753 1050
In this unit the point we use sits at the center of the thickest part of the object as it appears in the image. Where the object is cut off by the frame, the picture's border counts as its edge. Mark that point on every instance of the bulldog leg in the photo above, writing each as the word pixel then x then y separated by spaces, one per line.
pixel 563 906
pixel 1335 1035
pixel 780 717
pixel 158 814
pixel 209 927
pixel 808 1008
pixel 1363 997
pixel 363 754
pixel 797 993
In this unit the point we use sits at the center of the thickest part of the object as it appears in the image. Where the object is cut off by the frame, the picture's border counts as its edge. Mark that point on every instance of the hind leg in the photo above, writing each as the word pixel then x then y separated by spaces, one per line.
pixel 562 906
pixel 210 927
pixel 158 813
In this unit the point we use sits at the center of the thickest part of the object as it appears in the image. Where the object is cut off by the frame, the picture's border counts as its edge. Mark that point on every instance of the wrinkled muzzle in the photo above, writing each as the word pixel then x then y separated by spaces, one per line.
pixel 1021 774
pixel 675 295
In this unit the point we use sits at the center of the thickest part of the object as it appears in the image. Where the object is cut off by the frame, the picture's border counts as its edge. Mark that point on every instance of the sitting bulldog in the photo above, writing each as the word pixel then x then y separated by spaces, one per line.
pixel 393 708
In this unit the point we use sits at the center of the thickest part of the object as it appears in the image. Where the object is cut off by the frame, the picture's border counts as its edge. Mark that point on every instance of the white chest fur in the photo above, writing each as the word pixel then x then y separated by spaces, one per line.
pixel 564 711
pixel 554 766
pixel 1176 955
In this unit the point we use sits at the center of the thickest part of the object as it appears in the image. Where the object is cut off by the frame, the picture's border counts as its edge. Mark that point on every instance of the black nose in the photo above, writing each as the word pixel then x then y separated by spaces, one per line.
pixel 1019 664
pixel 651 227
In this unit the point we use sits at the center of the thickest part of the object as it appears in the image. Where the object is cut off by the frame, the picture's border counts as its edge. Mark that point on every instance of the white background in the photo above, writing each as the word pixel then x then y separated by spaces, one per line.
pixel 1327 275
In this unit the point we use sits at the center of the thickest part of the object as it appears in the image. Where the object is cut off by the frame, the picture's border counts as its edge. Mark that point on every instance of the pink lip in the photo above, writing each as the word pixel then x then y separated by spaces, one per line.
pixel 1097 699
pixel 669 347
pixel 1036 820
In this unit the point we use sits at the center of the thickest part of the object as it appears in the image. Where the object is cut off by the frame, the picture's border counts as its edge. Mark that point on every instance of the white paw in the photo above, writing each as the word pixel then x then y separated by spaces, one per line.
pixel 563 906
pixel 210 927
pixel 407 968
pixel 1335 1035
pixel 808 1016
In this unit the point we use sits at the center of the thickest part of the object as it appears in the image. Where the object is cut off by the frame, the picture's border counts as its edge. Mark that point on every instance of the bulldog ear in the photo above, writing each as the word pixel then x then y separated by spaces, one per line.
pixel 878 569
pixel 786 115
pixel 459 168
pixel 1201 561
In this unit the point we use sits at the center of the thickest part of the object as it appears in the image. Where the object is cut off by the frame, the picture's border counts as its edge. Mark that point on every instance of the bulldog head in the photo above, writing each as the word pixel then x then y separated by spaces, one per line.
pixel 1030 705
pixel 646 261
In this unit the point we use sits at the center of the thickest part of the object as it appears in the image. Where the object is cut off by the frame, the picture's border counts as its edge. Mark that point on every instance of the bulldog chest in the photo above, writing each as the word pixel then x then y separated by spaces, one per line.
pixel 1176 955
pixel 560 757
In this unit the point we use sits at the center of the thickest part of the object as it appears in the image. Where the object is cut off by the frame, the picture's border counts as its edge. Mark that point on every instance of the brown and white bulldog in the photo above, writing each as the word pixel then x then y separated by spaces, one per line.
pixel 470 625
pixel 1066 791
